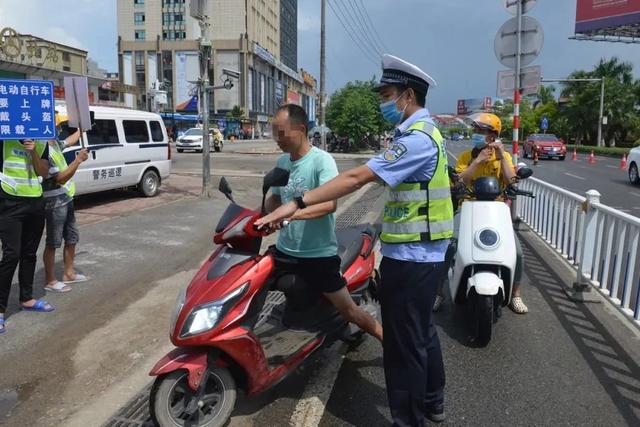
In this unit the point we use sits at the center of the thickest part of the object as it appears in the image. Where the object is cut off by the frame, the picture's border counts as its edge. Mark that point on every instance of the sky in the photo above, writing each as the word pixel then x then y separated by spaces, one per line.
pixel 452 40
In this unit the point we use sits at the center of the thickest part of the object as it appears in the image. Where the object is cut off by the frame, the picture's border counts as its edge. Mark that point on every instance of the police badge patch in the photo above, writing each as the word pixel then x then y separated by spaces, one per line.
pixel 394 153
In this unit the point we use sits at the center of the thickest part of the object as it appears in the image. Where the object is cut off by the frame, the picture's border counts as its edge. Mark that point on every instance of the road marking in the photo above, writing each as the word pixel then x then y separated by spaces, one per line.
pixel 635 194
pixel 612 167
pixel 574 176
pixel 452 155
pixel 310 408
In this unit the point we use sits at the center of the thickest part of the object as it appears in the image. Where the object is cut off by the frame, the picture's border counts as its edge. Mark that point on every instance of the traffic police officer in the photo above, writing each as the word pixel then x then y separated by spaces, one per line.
pixel 21 218
pixel 417 225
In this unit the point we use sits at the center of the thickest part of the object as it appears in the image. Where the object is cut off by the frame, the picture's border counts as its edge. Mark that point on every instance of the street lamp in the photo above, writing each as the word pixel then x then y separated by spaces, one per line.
pixel 601 80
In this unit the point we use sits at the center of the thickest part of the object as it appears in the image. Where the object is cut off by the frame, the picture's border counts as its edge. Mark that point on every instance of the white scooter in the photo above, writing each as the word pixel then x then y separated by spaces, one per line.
pixel 482 271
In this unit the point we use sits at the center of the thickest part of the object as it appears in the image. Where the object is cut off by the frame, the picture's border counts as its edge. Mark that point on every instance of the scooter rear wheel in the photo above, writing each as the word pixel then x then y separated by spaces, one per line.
pixel 171 394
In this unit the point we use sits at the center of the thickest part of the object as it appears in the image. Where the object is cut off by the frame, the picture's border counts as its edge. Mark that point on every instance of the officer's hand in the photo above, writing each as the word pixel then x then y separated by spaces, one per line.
pixel 29 145
pixel 82 155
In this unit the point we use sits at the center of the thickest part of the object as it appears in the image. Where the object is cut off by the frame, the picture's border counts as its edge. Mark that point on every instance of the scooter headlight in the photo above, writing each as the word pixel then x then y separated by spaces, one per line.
pixel 178 308
pixel 488 239
pixel 205 317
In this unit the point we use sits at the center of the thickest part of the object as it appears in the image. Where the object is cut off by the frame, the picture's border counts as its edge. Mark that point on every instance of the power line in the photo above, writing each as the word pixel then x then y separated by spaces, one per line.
pixel 363 27
pixel 353 26
pixel 358 43
pixel 373 29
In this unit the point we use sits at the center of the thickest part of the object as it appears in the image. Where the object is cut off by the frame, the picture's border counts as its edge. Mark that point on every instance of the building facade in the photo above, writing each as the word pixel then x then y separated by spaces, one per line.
pixel 25 56
pixel 159 41
pixel 289 33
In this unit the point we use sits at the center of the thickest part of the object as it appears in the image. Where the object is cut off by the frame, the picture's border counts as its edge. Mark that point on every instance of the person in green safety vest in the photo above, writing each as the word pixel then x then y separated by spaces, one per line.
pixel 23 163
pixel 417 224
pixel 59 190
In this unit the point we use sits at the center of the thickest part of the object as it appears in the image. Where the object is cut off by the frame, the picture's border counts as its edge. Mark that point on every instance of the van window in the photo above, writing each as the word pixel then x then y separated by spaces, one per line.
pixel 103 132
pixel 135 130
pixel 156 131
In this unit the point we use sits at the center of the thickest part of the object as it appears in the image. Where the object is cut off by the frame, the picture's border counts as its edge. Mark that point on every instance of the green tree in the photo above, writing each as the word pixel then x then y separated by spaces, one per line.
pixel 236 113
pixel 353 111
pixel 620 108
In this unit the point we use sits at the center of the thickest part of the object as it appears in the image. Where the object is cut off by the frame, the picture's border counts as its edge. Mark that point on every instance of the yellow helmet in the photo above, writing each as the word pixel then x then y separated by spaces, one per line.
pixel 487 121
pixel 61 118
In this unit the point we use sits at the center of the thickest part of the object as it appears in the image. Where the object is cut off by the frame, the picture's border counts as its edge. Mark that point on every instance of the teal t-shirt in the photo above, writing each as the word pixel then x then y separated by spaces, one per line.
pixel 316 237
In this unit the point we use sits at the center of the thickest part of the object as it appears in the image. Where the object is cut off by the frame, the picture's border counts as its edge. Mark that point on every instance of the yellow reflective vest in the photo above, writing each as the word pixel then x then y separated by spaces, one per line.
pixel 421 211
pixel 18 177
pixel 55 154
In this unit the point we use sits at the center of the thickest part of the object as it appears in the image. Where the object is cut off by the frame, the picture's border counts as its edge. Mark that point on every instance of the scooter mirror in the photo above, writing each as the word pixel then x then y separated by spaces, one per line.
pixel 276 177
pixel 225 188
pixel 524 173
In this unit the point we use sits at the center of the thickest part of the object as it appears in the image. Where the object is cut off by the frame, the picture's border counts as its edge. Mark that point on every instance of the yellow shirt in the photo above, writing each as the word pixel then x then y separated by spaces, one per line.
pixel 492 167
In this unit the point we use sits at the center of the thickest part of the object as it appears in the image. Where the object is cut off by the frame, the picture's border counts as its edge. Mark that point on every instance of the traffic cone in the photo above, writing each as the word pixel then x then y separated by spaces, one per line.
pixel 592 158
pixel 574 156
pixel 623 162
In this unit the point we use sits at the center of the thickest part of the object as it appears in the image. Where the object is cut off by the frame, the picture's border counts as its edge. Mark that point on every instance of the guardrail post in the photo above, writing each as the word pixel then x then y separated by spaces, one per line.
pixel 587 247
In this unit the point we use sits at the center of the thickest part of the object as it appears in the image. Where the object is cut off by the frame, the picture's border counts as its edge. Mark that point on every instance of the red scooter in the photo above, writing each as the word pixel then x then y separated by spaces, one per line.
pixel 238 326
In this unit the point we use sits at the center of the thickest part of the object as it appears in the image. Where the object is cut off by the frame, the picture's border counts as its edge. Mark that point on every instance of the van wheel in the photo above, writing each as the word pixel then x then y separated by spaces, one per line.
pixel 149 184
pixel 180 150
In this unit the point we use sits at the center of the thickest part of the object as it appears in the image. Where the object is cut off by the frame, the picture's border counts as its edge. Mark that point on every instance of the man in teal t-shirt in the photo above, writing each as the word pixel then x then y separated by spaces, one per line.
pixel 308 247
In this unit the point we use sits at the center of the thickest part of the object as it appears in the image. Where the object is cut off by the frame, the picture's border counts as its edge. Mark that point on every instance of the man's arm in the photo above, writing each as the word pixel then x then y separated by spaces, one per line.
pixel 467 175
pixel 40 164
pixel 72 139
pixel 63 177
pixel 273 202
pixel 315 211
pixel 345 183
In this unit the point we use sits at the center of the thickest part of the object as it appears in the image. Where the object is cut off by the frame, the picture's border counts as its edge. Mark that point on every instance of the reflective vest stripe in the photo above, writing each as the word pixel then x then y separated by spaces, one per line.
pixel 418 195
pixel 15 165
pixel 56 192
pixel 417 227
pixel 8 180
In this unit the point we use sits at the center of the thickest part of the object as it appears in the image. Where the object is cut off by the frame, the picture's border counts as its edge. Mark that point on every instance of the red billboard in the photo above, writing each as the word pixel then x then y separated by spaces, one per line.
pixel 593 15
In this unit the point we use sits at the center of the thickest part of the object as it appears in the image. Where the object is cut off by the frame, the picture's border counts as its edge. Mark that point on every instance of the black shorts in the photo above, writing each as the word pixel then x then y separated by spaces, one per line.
pixel 322 274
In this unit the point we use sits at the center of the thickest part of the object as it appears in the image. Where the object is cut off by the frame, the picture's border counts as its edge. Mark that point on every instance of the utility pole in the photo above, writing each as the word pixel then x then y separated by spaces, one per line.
pixel 600 141
pixel 517 93
pixel 199 11
pixel 323 135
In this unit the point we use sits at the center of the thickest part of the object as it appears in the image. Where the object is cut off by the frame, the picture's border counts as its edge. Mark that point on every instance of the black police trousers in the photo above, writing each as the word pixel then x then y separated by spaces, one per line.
pixel 413 366
pixel 21 228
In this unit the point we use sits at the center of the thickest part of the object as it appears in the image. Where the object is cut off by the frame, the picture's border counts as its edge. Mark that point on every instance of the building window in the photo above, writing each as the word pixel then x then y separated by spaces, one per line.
pixel 140 34
pixel 178 17
pixel 66 68
pixel 138 18
pixel 66 57
pixel 138 3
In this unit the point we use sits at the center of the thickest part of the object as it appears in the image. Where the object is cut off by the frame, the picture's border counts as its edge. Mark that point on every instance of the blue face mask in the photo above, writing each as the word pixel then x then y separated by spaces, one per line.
pixel 478 140
pixel 390 111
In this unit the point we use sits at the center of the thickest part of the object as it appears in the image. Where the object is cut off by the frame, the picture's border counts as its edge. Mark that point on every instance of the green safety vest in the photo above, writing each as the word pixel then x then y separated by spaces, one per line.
pixel 60 165
pixel 421 211
pixel 18 177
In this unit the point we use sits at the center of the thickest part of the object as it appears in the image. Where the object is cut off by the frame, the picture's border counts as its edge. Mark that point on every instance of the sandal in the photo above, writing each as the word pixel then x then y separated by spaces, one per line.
pixel 58 287
pixel 517 306
pixel 79 278
pixel 40 306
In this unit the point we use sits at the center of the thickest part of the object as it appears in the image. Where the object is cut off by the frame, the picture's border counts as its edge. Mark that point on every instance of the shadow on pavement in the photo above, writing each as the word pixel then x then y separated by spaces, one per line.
pixel 613 367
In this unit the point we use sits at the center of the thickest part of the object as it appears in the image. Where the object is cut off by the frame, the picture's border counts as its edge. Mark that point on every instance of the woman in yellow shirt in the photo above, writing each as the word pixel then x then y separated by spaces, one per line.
pixel 489 158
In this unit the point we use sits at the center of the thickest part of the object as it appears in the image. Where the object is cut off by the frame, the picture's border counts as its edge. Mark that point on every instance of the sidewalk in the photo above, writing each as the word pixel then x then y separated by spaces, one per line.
pixel 561 364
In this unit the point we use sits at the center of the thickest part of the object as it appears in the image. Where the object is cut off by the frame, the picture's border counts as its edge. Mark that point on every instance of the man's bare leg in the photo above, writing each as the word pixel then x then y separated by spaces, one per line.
pixel 352 313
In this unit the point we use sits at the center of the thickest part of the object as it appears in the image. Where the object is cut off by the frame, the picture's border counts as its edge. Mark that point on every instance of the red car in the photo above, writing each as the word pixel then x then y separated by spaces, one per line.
pixel 548 145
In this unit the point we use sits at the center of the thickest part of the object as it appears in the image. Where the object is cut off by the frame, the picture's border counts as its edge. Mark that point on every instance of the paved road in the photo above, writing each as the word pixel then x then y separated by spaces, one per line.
pixel 562 364
pixel 580 176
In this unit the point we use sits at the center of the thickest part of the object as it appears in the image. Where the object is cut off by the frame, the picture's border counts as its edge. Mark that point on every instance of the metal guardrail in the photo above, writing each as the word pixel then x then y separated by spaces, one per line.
pixel 599 241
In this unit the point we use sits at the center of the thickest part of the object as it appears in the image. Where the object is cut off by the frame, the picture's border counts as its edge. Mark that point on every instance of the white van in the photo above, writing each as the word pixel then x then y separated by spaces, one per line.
pixel 126 148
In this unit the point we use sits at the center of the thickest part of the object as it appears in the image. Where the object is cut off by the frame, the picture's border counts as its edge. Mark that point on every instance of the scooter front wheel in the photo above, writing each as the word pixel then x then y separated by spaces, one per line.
pixel 483 318
pixel 171 395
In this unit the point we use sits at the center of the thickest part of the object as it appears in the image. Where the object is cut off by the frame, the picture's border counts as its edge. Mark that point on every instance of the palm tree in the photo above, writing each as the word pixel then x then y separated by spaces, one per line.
pixel 546 94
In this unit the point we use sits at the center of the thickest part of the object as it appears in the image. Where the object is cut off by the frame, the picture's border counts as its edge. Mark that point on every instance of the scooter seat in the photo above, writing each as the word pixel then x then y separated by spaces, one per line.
pixel 350 241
